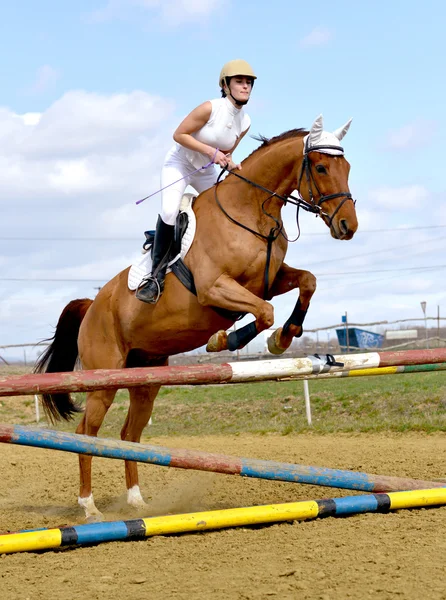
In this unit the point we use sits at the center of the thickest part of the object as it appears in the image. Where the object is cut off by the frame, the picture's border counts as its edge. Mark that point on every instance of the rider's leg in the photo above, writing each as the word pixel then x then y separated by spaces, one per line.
pixel 175 168
pixel 203 180
pixel 152 287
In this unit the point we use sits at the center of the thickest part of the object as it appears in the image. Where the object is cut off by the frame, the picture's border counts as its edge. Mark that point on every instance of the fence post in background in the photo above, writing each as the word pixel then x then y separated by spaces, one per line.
pixel 423 308
pixel 307 401
pixel 347 339
pixel 438 323
pixel 36 405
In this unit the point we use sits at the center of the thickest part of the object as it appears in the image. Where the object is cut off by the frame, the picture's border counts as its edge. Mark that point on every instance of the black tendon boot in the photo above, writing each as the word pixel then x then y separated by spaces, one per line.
pixel 152 287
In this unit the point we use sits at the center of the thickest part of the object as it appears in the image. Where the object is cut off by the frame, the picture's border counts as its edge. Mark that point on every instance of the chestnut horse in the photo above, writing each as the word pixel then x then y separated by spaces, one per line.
pixel 237 262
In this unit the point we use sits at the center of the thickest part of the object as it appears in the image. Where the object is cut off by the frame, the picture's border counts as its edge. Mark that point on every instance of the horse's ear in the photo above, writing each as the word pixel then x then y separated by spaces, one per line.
pixel 316 131
pixel 339 133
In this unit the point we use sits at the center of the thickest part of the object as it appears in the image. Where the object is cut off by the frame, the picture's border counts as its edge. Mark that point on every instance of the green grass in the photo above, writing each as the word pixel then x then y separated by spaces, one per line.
pixel 406 402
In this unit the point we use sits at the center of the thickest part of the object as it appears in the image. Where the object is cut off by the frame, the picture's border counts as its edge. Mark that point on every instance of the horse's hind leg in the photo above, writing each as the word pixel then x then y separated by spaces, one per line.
pixel 98 403
pixel 141 406
pixel 286 280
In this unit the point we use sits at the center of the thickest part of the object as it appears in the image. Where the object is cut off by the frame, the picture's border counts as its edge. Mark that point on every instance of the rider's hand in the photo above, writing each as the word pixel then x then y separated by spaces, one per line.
pixel 231 164
pixel 220 159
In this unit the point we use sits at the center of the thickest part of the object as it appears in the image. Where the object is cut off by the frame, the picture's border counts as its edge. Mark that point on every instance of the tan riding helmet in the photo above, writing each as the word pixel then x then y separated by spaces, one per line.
pixel 235 67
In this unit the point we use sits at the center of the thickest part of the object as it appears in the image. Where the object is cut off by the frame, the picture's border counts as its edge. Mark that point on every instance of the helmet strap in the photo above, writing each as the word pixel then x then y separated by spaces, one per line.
pixel 238 103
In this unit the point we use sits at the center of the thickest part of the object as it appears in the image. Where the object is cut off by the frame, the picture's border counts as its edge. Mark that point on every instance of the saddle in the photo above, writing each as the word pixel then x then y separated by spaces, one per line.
pixel 177 251
pixel 174 258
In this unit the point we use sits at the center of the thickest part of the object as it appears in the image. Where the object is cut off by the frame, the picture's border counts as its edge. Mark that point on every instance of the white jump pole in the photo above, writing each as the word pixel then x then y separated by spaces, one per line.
pixel 307 401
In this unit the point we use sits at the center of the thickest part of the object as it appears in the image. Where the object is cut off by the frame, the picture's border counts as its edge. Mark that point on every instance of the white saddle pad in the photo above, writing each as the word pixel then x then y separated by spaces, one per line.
pixel 143 267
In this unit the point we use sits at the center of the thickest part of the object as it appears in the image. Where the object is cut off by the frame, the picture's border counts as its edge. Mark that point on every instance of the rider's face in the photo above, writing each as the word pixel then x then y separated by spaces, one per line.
pixel 240 87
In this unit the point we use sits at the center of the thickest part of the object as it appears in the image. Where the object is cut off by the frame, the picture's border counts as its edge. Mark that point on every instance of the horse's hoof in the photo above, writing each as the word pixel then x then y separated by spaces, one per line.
pixel 218 342
pixel 273 346
pixel 134 498
pixel 96 518
pixel 92 514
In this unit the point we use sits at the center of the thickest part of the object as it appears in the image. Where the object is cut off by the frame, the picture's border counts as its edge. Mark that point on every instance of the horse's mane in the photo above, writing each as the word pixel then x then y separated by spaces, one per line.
pixel 266 142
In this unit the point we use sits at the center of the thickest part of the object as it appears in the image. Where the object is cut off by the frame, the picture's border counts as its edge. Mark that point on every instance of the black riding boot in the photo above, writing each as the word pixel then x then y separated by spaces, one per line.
pixel 152 287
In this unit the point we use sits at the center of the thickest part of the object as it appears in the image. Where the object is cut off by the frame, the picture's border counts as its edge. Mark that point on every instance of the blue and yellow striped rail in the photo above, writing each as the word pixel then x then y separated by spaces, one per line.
pixel 137 529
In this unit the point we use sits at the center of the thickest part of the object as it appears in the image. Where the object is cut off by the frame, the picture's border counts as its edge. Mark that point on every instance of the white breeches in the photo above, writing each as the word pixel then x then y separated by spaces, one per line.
pixel 176 167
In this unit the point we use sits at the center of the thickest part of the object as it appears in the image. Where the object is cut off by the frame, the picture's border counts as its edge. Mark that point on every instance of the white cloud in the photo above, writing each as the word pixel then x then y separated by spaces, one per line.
pixel 75 170
pixel 75 176
pixel 319 36
pixel 84 143
pixel 30 118
pixel 177 12
pixel 410 135
pixel 46 77
pixel 171 13
pixel 439 209
pixel 81 122
pixel 398 198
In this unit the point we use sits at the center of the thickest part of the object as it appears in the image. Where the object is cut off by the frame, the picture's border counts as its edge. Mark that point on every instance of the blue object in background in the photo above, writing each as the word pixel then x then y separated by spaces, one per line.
pixel 359 338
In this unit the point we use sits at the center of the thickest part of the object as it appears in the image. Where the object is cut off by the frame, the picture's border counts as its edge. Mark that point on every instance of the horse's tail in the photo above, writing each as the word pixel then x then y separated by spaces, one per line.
pixel 61 355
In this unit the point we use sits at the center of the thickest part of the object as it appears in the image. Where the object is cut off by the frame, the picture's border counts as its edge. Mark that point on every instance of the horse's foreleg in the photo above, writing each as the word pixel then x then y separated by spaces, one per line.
pixel 228 294
pixel 141 406
pixel 98 402
pixel 286 280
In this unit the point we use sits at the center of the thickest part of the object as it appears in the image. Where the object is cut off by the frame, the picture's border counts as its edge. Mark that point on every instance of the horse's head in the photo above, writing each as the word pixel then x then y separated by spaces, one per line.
pixel 323 179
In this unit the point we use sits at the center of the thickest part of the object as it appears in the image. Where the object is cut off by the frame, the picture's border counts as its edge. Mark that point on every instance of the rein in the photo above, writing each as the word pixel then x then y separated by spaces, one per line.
pixel 312 206
pixel 270 238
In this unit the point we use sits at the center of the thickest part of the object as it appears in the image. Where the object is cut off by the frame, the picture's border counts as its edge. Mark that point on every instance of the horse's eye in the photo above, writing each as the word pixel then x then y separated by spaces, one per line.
pixel 321 169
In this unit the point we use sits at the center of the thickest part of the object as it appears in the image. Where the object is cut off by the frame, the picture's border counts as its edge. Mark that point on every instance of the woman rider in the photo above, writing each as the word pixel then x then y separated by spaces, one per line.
pixel 210 133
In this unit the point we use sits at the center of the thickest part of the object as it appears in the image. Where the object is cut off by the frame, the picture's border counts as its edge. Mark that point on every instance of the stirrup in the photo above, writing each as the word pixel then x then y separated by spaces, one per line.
pixel 145 281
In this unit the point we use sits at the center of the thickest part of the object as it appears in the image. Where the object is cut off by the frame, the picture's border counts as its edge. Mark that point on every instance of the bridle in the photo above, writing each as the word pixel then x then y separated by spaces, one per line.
pixel 312 206
pixel 306 168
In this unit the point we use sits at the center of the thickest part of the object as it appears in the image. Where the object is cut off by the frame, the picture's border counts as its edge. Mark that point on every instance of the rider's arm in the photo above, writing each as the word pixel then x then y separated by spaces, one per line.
pixel 231 164
pixel 194 121
pixel 239 139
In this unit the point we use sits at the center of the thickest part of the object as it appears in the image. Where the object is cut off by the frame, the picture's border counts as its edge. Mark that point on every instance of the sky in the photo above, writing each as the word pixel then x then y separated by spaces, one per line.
pixel 93 90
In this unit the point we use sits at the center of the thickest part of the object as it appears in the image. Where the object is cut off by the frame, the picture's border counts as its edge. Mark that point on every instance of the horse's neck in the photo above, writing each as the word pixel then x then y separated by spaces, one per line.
pixel 276 168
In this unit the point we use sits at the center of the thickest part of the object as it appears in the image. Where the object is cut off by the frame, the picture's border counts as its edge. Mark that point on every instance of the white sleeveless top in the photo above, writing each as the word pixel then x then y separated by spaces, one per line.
pixel 224 127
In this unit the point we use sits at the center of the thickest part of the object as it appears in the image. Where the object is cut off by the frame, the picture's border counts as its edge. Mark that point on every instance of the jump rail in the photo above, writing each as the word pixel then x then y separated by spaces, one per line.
pixel 398 370
pixel 82 381
pixel 205 461
pixel 137 529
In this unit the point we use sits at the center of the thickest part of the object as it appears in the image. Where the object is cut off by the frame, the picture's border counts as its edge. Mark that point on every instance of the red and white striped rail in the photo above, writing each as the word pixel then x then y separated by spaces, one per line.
pixel 261 370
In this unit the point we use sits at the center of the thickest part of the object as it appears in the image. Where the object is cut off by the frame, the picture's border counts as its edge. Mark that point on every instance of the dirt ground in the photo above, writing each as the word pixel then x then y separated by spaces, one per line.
pixel 401 554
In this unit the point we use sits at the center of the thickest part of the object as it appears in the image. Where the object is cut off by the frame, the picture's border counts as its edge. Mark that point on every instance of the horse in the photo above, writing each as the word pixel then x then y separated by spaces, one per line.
pixel 237 262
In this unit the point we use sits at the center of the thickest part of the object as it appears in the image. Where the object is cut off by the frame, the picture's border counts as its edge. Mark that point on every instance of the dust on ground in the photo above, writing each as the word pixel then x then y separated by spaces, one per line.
pixel 401 554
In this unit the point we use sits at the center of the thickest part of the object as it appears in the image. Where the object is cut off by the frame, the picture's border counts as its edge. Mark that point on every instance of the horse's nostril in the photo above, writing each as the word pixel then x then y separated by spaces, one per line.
pixel 343 226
